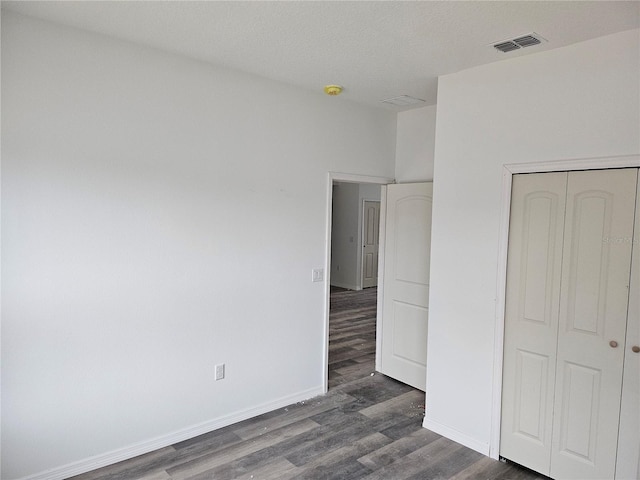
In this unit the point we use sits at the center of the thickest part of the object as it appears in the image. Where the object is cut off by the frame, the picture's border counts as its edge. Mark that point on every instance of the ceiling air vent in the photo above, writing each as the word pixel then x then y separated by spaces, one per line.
pixel 523 41
pixel 527 41
pixel 403 101
pixel 505 47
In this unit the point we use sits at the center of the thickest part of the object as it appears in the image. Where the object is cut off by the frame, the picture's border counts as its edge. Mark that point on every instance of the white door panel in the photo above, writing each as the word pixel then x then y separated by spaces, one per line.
pixel 593 312
pixel 531 317
pixel 405 299
pixel 628 461
pixel 409 332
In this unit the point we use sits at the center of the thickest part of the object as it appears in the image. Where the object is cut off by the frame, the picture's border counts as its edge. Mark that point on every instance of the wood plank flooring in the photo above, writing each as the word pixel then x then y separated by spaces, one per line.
pixel 367 427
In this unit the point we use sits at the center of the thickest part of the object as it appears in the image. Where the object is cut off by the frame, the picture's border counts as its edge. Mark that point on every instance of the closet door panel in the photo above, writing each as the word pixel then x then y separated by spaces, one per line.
pixel 592 322
pixel 628 461
pixel 531 317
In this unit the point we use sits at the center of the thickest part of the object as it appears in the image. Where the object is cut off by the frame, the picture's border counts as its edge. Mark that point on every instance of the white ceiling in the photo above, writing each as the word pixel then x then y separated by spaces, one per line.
pixel 375 49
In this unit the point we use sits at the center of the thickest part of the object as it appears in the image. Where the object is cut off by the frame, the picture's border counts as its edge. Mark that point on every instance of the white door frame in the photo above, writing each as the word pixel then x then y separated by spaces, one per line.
pixel 348 178
pixel 627 161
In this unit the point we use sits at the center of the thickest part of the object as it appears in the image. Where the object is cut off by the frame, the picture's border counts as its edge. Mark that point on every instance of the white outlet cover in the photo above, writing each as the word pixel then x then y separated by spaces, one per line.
pixel 317 275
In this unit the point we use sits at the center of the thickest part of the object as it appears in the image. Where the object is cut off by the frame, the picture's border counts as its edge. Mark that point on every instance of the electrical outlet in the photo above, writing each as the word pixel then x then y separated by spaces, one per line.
pixel 220 371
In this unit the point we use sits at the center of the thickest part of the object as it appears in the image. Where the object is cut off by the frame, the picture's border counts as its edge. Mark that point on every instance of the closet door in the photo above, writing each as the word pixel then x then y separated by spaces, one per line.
pixel 628 462
pixel 592 323
pixel 568 283
pixel 531 317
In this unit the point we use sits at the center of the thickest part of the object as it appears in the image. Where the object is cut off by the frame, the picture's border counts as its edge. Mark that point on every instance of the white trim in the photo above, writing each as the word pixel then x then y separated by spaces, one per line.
pixel 456 436
pixel 353 178
pixel 498 342
pixel 115 456
pixel 381 259
pixel 345 285
pixel 600 163
pixel 349 178
pixel 327 285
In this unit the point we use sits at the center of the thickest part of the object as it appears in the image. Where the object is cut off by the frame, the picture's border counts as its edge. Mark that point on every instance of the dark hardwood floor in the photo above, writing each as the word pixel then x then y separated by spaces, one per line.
pixel 367 426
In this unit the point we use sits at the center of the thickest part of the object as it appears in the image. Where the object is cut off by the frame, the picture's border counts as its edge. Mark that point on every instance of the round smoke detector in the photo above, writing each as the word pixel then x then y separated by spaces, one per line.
pixel 333 89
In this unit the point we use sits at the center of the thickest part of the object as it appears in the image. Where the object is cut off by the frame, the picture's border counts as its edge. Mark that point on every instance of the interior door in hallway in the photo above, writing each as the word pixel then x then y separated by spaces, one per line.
pixel 370 243
pixel 405 293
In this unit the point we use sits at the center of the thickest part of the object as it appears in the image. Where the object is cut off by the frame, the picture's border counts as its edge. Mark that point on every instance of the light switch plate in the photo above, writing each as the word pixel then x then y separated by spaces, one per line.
pixel 317 275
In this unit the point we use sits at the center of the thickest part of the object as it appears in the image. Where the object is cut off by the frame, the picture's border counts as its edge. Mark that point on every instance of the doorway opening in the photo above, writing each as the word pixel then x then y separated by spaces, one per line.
pixel 401 314
pixel 355 226
pixel 352 277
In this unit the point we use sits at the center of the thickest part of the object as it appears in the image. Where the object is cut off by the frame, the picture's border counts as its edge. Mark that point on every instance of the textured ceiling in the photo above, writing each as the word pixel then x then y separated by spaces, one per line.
pixel 375 49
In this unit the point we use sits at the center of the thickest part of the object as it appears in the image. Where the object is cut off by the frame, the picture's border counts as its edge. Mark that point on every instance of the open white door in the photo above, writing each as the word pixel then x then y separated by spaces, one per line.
pixel 405 292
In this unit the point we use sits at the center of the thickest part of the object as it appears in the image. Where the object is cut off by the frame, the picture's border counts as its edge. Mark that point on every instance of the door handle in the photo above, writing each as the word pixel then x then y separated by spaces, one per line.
pixel 635 349
pixel 613 344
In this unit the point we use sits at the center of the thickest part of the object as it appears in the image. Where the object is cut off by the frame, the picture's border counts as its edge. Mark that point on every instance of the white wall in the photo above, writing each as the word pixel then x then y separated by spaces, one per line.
pixel 415 145
pixel 344 236
pixel 159 216
pixel 576 102
pixel 368 191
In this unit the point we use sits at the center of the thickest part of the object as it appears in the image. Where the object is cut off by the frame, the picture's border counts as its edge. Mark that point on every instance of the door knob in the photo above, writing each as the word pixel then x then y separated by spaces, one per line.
pixel 635 349
pixel 613 344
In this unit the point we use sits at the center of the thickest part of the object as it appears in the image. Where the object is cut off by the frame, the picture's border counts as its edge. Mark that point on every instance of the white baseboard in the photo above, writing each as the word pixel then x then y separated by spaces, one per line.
pixel 140 448
pixel 344 285
pixel 456 436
